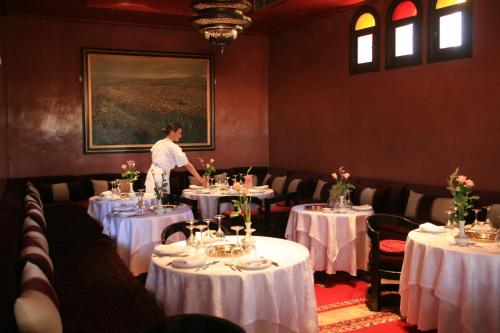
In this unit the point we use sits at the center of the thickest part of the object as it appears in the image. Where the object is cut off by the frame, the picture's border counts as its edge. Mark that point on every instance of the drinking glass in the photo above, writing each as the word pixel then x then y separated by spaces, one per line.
pixel 241 178
pixel 190 240
pixel 219 233
pixel 449 224
pixel 237 249
pixel 201 243
pixel 140 200
pixel 118 189
pixel 207 234
pixel 489 225
pixel 476 224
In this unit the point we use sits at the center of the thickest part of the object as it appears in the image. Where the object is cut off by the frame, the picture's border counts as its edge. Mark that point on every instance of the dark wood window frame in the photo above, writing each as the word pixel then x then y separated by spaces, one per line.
pixel 374 65
pixel 436 54
pixel 391 61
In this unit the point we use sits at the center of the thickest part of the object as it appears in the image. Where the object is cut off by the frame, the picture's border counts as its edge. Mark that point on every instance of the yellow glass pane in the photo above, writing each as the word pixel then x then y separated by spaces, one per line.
pixel 447 3
pixel 365 21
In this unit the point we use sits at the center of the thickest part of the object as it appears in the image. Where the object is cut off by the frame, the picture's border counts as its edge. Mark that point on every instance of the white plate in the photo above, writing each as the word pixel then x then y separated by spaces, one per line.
pixel 127 213
pixel 188 262
pixel 124 208
pixel 195 187
pixel 254 265
pixel 169 250
pixel 363 208
pixel 203 191
pixel 262 187
pixel 256 190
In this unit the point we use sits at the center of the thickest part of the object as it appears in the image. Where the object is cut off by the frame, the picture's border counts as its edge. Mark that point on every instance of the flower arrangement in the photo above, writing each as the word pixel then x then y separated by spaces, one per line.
pixel 208 168
pixel 130 172
pixel 461 188
pixel 161 186
pixel 341 186
pixel 242 205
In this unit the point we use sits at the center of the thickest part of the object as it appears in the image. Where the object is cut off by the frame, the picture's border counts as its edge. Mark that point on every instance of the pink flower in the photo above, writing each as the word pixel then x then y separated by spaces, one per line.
pixel 469 183
pixel 245 190
pixel 208 166
pixel 248 181
pixel 212 160
pixel 346 175
pixel 461 179
pixel 124 166
pixel 236 186
pixel 334 175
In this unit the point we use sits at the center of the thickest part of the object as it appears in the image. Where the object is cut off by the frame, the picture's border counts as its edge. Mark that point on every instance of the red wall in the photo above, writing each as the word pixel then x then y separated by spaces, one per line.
pixel 4 164
pixel 414 124
pixel 45 103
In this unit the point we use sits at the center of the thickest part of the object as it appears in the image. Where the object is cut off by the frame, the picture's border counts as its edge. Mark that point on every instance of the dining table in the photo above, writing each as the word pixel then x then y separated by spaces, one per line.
pixel 137 233
pixel 207 198
pixel 336 240
pixel 275 297
pixel 448 287
pixel 101 205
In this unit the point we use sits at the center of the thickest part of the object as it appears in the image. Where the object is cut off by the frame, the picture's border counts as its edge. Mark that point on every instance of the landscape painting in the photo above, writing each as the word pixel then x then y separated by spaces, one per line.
pixel 130 95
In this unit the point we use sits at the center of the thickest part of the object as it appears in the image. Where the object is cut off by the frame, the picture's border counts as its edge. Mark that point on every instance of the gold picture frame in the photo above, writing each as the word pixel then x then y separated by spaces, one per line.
pixel 129 95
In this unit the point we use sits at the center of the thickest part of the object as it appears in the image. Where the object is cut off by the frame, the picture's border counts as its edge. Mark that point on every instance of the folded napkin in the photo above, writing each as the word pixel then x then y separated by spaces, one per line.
pixel 362 207
pixel 429 227
pixel 105 193
pixel 195 186
pixel 261 186
pixel 253 261
pixel 231 191
pixel 189 261
pixel 169 250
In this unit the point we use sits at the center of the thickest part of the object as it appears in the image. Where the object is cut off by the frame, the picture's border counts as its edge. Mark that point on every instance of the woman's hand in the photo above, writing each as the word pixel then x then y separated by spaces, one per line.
pixel 203 181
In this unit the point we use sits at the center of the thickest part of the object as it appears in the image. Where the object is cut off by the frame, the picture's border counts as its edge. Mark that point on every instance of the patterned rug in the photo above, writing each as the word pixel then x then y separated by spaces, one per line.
pixel 341 308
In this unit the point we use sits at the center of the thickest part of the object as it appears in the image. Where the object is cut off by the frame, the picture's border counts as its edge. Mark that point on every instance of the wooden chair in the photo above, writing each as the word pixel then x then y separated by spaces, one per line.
pixel 277 211
pixel 194 323
pixel 182 227
pixel 387 234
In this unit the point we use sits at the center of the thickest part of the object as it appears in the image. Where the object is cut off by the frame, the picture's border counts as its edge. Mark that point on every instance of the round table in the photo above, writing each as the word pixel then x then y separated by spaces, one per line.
pixel 136 236
pixel 274 299
pixel 207 201
pixel 100 206
pixel 336 241
pixel 450 288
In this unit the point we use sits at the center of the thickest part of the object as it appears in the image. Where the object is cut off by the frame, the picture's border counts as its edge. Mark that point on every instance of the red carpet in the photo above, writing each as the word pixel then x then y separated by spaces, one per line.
pixel 341 308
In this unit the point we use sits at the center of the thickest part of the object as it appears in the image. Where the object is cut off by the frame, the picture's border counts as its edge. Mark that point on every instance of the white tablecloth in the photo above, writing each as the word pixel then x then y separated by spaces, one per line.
pixel 137 236
pixel 275 299
pixel 336 241
pixel 99 207
pixel 207 202
pixel 451 288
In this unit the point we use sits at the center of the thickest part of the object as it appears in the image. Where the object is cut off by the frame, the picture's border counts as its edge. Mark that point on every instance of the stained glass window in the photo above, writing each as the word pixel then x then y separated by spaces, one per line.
pixel 404 10
pixel 365 21
pixel 447 3
pixel 364 39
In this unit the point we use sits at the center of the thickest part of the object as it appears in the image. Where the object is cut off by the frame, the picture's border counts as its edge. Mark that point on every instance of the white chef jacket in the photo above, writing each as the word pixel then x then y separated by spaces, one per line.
pixel 166 155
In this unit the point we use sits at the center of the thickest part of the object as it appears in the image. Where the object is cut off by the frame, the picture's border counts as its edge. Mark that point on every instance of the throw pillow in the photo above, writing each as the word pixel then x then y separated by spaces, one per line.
pixel 267 179
pixel 31 229
pixel 61 192
pixel 317 191
pixel 37 215
pixel 494 215
pixel 99 186
pixel 293 186
pixel 412 204
pixel 278 184
pixel 37 308
pixel 438 207
pixel 34 252
pixel 366 196
pixel 194 181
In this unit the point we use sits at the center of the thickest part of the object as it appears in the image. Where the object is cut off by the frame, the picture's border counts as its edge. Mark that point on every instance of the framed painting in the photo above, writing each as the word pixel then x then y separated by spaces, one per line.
pixel 129 95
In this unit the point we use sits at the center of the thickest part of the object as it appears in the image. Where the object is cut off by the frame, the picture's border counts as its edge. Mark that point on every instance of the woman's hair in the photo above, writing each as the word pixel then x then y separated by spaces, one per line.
pixel 171 127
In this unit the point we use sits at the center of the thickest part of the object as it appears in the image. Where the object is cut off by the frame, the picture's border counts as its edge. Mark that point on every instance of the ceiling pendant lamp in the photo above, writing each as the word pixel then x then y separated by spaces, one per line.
pixel 220 21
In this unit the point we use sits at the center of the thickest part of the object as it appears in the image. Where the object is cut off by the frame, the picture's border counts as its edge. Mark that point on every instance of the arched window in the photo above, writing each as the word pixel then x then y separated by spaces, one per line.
pixel 364 40
pixel 404 34
pixel 450 30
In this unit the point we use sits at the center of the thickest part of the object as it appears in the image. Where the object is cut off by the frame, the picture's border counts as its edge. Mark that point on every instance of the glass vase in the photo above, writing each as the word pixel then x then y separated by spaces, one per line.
pixel 131 192
pixel 461 238
pixel 341 207
pixel 248 243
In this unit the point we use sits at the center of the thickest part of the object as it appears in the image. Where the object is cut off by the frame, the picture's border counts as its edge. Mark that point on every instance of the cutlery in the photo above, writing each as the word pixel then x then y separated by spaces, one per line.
pixel 206 266
pixel 275 263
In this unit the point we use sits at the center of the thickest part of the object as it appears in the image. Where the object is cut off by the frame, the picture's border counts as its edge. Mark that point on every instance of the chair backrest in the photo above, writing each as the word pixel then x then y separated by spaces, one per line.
pixel 182 227
pixel 387 226
pixel 194 323
pixel 172 229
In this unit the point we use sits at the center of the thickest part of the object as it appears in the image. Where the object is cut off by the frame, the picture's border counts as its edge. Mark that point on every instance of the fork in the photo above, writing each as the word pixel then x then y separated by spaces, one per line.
pixel 206 265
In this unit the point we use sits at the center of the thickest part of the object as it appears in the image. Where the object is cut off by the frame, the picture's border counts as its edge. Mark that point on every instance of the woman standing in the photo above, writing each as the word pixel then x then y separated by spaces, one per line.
pixel 167 155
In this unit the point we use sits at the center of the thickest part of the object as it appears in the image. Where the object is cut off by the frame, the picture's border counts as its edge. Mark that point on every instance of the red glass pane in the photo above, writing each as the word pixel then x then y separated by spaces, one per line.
pixel 404 10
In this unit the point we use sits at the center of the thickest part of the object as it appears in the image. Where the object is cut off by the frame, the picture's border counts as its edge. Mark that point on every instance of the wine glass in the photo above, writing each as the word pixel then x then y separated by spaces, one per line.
pixel 190 240
pixel 476 224
pixel 488 221
pixel 140 200
pixel 237 249
pixel 219 233
pixel 449 225
pixel 241 178
pixel 201 227
pixel 237 229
